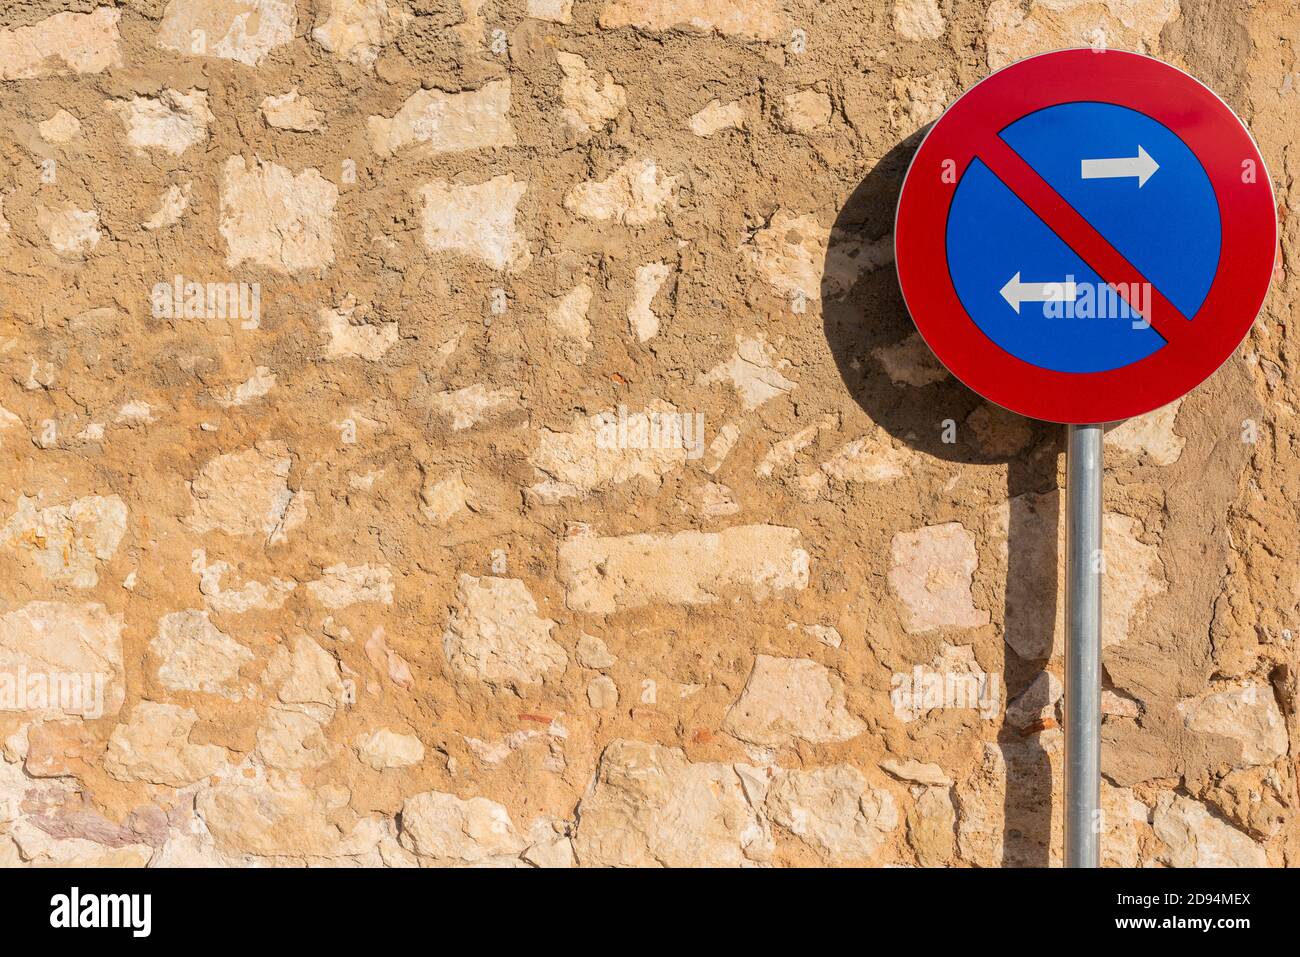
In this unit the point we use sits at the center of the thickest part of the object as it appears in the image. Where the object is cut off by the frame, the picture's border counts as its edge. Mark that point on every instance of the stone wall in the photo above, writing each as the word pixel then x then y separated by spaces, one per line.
pixel 489 432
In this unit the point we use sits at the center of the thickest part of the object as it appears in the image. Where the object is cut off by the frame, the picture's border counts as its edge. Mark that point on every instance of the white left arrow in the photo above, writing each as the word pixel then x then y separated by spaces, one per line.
pixel 1015 292
pixel 1142 166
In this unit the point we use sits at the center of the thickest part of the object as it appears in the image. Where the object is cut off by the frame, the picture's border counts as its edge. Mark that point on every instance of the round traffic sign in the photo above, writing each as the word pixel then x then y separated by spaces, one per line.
pixel 1085 236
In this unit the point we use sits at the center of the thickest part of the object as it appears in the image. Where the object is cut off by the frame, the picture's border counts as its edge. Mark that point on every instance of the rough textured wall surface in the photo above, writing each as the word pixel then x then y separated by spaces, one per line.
pixel 489 432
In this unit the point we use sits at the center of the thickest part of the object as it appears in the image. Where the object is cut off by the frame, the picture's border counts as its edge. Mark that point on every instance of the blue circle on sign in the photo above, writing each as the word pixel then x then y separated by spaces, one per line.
pixel 1137 184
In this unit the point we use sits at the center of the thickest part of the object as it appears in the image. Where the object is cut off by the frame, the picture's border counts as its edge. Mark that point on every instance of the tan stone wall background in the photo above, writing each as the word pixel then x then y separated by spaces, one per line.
pixel 354 570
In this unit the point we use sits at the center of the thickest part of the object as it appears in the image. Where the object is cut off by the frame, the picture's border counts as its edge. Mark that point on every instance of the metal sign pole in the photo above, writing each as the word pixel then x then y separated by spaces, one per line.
pixel 1083 571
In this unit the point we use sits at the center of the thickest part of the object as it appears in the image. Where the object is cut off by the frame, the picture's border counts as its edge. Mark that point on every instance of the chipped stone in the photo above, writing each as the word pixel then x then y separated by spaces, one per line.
pixel 651 807
pixel 790 699
pixel 834 810
pixel 753 370
pixel 495 635
pixel 716 117
pixel 589 105
pixel 356 30
pixel 67 542
pixel 289 111
pixel 197 656
pixel 171 122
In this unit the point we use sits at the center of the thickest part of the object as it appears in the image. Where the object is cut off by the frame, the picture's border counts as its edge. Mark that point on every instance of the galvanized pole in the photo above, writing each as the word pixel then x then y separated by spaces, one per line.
pixel 1083 571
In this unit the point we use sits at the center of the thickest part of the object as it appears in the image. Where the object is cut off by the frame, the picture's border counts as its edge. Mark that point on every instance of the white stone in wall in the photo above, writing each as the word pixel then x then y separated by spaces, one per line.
pixel 918 19
pixel 930 572
pixel 46 646
pixel 651 807
pixel 63 43
pixel 604 575
pixel 748 19
pixel 589 104
pixel 171 206
pixel 835 811
pixel 476 220
pixel 195 655
pixel 641 317
pixel 246 31
pixel 289 111
pixel 274 218
pixel 357 30
pixel 753 370
pixel 1193 837
pixel 67 542
pixel 438 122
pixel 1249 715
pixel 635 194
pixel 716 117
pixel 245 493
pixel 495 634
pixel 791 699
pixel 61 128
pixel 170 122
pixel 154 746
pixel 448 830
pixel 71 231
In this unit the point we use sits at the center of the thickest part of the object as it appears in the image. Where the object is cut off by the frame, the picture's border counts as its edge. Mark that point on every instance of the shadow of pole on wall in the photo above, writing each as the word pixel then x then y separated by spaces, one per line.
pixel 870 315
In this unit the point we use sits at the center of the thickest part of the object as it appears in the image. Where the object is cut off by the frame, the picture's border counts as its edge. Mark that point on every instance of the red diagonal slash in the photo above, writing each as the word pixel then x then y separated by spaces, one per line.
pixel 1077 233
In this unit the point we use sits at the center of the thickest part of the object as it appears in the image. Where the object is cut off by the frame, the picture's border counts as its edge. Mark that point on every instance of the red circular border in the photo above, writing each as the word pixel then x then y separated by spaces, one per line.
pixel 1169 96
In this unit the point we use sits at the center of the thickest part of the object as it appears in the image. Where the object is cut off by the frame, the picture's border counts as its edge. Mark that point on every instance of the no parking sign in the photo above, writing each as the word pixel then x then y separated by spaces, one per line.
pixel 1082 237
pixel 1085 236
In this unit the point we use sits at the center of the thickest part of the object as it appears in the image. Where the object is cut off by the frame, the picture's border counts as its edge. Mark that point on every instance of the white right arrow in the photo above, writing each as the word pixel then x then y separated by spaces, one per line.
pixel 1015 292
pixel 1142 166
